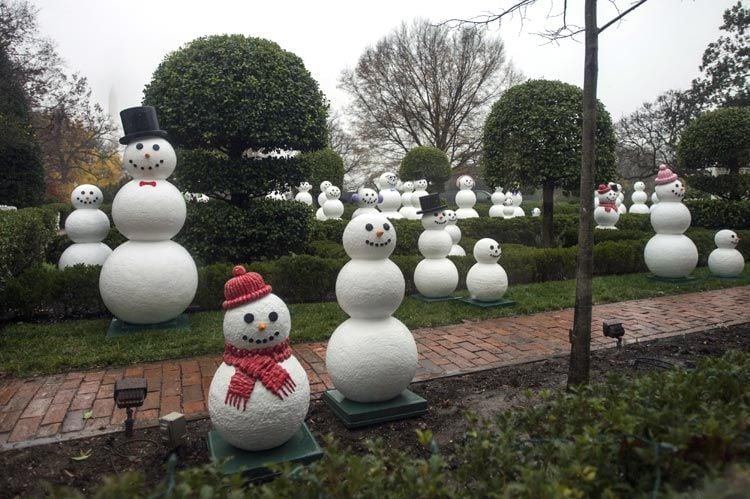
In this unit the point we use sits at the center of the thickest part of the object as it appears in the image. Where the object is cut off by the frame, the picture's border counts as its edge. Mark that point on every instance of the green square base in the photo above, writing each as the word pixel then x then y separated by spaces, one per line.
pixel 737 278
pixel 301 448
pixel 673 280
pixel 489 304
pixel 356 414
pixel 427 299
pixel 121 328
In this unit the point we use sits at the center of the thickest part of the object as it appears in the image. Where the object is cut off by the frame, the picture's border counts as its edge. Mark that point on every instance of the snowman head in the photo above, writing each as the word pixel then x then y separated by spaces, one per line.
pixel 673 191
pixel 304 187
pixel 408 186
pixel 486 251
pixel 606 194
pixel 86 196
pixel 369 237
pixel 324 185
pixel 499 189
pixel 388 180
pixel 508 200
pixel 517 198
pixel 726 239
pixel 434 220
pixel 639 186
pixel 451 217
pixel 149 158
pixel 366 198
pixel 536 212
pixel 420 185
pixel 255 318
pixel 465 182
pixel 333 192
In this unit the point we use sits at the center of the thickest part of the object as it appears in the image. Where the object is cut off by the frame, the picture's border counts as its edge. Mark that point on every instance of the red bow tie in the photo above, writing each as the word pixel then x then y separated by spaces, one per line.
pixel 144 182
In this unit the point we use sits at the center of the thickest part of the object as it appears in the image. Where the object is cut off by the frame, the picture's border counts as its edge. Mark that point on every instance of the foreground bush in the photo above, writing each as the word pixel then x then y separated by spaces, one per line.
pixel 24 237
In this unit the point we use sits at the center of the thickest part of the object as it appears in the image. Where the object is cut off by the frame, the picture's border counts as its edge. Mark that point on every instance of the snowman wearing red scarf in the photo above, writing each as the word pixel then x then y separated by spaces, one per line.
pixel 260 394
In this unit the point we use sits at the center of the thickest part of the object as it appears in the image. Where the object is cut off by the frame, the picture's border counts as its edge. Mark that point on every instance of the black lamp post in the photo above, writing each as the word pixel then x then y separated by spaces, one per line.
pixel 129 393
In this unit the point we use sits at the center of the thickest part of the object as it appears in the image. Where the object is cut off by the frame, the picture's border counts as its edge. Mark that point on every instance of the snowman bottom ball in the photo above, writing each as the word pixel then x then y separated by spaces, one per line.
pixel 436 278
pixel 487 282
pixel 85 253
pixel 267 421
pixel 726 262
pixel 371 360
pixel 670 255
pixel 148 282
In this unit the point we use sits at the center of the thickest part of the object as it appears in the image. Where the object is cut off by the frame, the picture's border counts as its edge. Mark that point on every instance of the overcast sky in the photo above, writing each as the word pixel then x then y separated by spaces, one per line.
pixel 119 44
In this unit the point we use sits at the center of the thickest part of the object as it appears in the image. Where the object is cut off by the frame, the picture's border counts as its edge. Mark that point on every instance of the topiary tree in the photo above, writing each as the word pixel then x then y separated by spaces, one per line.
pixel 325 164
pixel 532 136
pixel 428 162
pixel 717 139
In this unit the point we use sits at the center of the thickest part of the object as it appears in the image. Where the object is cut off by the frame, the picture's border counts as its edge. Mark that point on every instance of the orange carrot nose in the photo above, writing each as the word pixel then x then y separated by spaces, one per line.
pixel 147 155
pixel 379 232
pixel 261 326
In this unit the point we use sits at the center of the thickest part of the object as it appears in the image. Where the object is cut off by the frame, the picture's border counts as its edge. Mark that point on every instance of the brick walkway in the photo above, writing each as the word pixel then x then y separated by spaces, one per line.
pixel 51 408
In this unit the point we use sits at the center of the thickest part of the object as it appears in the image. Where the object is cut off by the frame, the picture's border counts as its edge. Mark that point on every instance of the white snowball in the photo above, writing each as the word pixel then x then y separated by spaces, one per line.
pixel 149 158
pixel 370 289
pixel 86 196
pixel 670 255
pixel 487 250
pixel 85 253
pixel 369 237
pixel 87 226
pixel 147 212
pixel 436 278
pixel 261 323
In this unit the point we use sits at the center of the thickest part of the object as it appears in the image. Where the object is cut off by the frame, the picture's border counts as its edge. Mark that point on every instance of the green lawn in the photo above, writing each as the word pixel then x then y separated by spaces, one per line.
pixel 27 349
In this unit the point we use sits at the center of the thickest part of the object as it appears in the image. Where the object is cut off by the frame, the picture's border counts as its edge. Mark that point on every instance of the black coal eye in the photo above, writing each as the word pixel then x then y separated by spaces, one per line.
pixel 386 226
pixel 249 318
pixel 273 316
pixel 139 146
pixel 156 147
pixel 492 247
pixel 83 192
pixel 91 192
pixel 435 214
pixel 368 227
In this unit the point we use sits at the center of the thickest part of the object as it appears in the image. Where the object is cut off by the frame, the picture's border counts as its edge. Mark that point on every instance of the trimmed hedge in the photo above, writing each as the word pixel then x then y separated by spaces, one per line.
pixel 24 237
pixel 719 213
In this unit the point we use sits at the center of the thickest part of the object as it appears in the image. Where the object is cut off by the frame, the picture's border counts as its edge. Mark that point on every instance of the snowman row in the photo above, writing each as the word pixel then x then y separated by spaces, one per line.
pixel 507 205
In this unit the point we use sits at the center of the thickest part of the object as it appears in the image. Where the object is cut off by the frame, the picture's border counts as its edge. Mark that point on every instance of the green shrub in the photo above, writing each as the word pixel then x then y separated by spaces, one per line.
pixel 330 230
pixel 719 213
pixel 301 278
pixel 211 280
pixel 24 237
pixel 317 166
pixel 429 162
pixel 326 249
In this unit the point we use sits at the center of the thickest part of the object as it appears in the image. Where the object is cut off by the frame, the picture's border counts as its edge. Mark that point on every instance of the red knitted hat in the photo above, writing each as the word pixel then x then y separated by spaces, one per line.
pixel 665 175
pixel 243 287
pixel 603 189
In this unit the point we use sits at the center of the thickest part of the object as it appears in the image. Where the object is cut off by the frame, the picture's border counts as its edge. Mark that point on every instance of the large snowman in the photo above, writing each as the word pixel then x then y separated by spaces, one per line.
pixel 391 197
pixel 454 231
pixel 303 194
pixel 606 213
pixel 86 226
pixel 497 198
pixel 725 260
pixel 150 278
pixel 435 276
pixel 670 253
pixel 639 198
pixel 486 279
pixel 372 356
pixel 367 201
pixel 260 394
pixel 465 197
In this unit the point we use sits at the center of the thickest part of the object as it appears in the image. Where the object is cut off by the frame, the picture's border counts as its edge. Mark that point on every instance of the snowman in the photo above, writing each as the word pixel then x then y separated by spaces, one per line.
pixel 391 197
pixel 654 201
pixel 517 200
pixel 259 395
pixel 509 211
pixel 455 232
pixel 486 279
pixel 407 210
pixel 670 253
pixel 536 212
pixel 606 214
pixel 725 260
pixel 372 356
pixel 304 196
pixel 367 200
pixel 150 278
pixel 639 198
pixel 435 276
pixel 86 226
pixel 497 198
pixel 333 208
pixel 322 200
pixel 465 198
pixel 620 201
pixel 420 190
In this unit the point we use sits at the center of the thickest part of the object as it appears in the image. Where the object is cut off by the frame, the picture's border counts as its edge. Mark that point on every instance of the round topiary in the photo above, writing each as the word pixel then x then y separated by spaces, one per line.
pixel 426 162
pixel 325 164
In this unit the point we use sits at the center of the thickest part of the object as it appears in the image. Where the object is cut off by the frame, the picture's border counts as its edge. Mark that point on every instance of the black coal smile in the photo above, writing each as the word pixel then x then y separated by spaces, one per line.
pixel 264 340
pixel 378 245
pixel 440 223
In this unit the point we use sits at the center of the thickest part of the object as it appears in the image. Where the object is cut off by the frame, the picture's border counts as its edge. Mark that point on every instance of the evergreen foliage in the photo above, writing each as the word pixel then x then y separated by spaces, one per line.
pixel 429 162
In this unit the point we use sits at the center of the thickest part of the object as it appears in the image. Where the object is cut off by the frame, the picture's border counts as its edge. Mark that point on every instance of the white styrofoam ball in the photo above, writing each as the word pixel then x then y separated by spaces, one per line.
pixel 304 197
pixel 434 243
pixel 725 260
pixel 465 199
pixel 670 218
pixel 455 232
pixel 85 253
pixel 367 198
pixel 371 360
pixel 261 323
pixel 370 288
pixel 420 185
pixel 86 196
pixel 639 186
pixel 304 186
pixel 388 180
pixel 434 221
pixel 487 250
pixel 726 239
pixel 333 192
pixel 148 212
pixel 670 255
pixel 673 191
pixel 267 421
pixel 148 282
pixel 465 182
pixel 606 219
pixel 436 278
pixel 486 281
pixel 149 158
pixel 87 226
pixel 407 187
pixel 536 212
pixel 369 237
pixel 451 217
pixel 333 208
pixel 319 215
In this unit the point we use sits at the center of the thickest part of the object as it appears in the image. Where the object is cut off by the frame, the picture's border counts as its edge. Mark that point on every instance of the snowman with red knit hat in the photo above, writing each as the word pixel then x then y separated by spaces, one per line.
pixel 260 394
pixel 606 213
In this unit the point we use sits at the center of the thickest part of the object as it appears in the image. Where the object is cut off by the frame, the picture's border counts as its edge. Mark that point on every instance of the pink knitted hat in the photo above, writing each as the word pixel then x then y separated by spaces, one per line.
pixel 665 175
pixel 603 189
pixel 243 287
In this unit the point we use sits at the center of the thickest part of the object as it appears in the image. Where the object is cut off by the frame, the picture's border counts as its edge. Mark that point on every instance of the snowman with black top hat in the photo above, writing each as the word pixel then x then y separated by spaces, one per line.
pixel 149 279
pixel 435 276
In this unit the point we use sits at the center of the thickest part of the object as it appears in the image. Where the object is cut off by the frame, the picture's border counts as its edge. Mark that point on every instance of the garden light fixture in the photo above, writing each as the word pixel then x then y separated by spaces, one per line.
pixel 129 393
pixel 614 329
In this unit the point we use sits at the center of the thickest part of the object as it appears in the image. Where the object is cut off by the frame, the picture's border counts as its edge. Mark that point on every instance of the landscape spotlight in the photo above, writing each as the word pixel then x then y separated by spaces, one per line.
pixel 173 429
pixel 129 393
pixel 614 329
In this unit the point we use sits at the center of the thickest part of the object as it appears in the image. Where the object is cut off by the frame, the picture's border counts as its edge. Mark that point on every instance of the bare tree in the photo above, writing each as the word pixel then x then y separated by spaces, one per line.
pixel 427 85
pixel 356 155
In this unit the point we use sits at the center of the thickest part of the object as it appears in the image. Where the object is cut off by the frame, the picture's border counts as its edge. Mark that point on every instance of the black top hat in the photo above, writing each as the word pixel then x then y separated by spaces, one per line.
pixel 430 203
pixel 140 122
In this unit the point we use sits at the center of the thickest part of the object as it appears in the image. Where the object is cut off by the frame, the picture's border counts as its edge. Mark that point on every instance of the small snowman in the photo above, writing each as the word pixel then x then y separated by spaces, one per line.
pixel 486 279
pixel 639 198
pixel 372 356
pixel 725 260
pixel 517 200
pixel 86 226
pixel 260 394
pixel 420 190
pixel 455 232
pixel 497 198
pixel 606 214
pixel 465 197
pixel 333 208
pixel 435 276
pixel 407 210
pixel 322 200
pixel 620 201
pixel 367 200
pixel 509 211
pixel 536 212
pixel 303 194
pixel 391 202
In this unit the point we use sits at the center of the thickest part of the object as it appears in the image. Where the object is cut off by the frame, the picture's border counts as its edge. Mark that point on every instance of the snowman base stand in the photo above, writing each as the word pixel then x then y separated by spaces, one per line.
pixel 673 280
pixel 502 302
pixel 121 328
pixel 428 299
pixel 301 448
pixel 356 414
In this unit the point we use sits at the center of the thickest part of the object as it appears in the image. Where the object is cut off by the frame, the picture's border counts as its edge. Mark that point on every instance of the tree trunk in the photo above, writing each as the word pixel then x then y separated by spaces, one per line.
pixel 548 195
pixel 580 350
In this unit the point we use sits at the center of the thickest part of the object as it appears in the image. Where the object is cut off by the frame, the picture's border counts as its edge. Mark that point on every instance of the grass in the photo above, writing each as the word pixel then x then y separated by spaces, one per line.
pixel 28 349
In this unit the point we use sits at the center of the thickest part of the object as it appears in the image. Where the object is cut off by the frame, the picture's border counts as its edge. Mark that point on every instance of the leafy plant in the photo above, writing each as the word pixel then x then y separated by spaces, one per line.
pixel 426 162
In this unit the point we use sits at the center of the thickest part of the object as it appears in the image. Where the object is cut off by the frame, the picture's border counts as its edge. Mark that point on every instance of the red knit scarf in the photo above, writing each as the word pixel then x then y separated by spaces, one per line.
pixel 608 206
pixel 253 365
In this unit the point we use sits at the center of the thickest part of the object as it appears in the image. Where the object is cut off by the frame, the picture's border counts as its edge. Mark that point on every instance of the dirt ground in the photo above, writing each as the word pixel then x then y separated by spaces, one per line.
pixel 486 393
